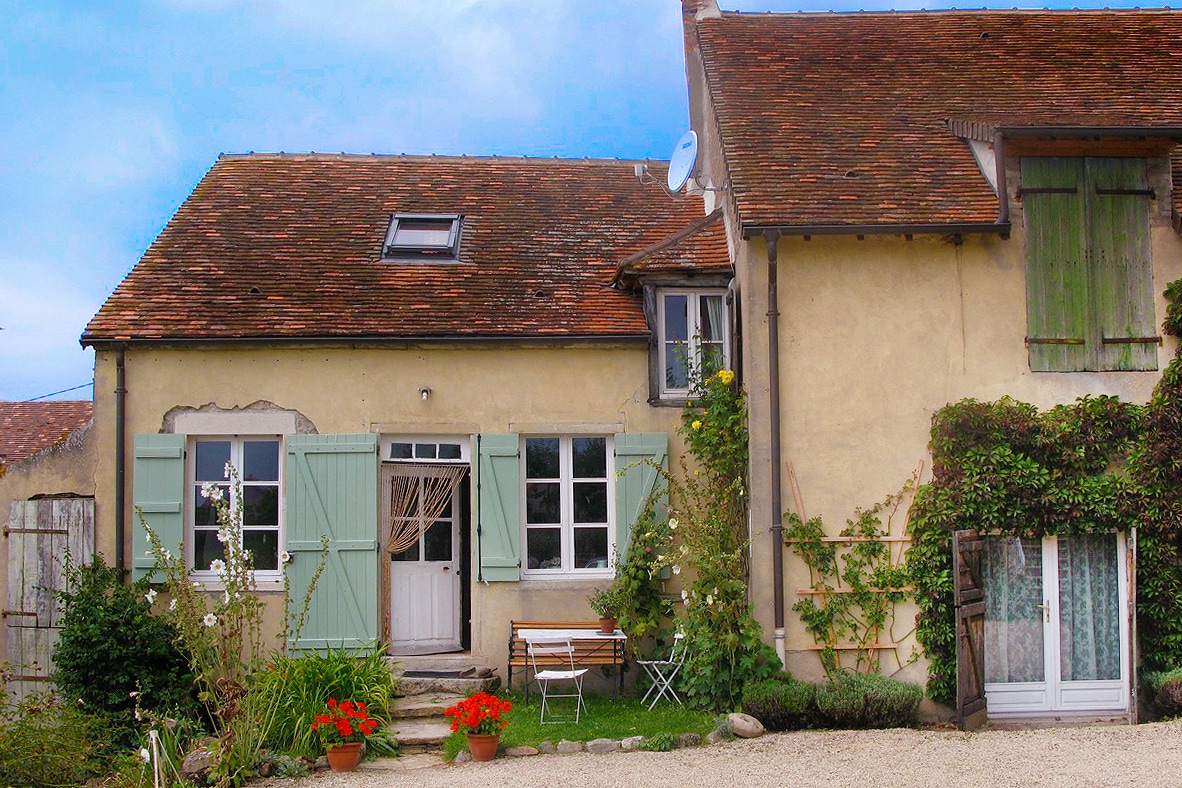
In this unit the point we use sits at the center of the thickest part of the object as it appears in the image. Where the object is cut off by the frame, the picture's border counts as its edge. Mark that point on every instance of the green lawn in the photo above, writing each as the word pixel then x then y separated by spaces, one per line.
pixel 604 719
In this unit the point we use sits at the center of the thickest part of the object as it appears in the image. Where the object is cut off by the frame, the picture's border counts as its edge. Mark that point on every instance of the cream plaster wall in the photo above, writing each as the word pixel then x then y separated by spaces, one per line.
pixel 491 389
pixel 876 335
pixel 66 468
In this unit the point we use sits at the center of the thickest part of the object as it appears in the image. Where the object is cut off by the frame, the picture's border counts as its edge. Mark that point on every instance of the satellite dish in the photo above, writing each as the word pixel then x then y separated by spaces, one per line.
pixel 683 160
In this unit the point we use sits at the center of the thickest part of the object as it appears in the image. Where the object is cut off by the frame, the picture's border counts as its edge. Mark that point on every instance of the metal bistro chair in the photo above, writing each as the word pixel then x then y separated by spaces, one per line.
pixel 662 672
pixel 560 649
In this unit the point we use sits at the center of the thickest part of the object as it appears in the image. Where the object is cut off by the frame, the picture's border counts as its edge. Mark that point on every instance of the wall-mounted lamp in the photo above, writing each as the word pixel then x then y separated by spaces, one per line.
pixel 425 392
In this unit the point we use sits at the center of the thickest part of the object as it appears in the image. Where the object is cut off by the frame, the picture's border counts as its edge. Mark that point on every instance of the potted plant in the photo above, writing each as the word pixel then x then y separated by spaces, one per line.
pixel 481 718
pixel 343 731
pixel 607 603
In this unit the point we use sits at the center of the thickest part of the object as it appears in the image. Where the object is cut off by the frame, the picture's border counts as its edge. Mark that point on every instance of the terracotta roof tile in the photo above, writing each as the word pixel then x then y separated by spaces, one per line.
pixel 843 118
pixel 29 427
pixel 285 247
pixel 698 247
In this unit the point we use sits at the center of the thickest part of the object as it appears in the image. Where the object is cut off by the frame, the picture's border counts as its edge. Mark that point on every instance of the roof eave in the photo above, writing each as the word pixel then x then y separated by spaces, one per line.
pixel 750 231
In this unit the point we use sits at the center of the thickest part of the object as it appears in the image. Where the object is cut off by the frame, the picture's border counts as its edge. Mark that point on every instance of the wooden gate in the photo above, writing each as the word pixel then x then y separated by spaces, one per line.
pixel 40 534
pixel 967 549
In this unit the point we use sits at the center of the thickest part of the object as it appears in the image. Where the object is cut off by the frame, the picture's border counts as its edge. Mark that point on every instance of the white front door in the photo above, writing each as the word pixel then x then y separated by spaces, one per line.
pixel 1056 625
pixel 425 589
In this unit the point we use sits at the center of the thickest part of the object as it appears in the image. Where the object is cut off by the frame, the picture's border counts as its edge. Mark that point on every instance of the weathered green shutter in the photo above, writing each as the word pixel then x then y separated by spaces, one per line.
pixel 1057 297
pixel 1089 272
pixel 332 489
pixel 158 488
pixel 498 485
pixel 636 477
pixel 1121 264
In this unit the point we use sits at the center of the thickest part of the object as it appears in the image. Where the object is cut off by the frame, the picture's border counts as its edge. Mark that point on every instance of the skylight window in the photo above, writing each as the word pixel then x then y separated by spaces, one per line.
pixel 417 236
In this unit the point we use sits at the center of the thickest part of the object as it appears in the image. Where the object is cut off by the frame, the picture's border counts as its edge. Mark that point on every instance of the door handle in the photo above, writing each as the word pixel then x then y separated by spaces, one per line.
pixel 447 569
pixel 1045 607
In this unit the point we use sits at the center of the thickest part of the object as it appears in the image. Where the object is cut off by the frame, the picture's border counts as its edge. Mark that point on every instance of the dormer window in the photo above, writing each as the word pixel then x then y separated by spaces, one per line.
pixel 421 236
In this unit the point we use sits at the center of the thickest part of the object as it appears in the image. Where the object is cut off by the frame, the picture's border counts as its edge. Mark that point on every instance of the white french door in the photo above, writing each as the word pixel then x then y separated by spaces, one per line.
pixel 425 588
pixel 1056 625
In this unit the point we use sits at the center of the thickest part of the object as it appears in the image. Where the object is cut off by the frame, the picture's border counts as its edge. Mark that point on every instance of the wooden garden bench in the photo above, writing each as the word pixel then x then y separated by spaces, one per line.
pixel 591 648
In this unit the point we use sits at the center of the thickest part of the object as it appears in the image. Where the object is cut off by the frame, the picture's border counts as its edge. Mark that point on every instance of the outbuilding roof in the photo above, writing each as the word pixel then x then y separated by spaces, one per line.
pixel 29 427
pixel 286 247
pixel 848 119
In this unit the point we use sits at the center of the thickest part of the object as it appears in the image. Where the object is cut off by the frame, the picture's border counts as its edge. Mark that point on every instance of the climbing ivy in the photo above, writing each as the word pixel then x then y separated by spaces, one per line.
pixel 1095 465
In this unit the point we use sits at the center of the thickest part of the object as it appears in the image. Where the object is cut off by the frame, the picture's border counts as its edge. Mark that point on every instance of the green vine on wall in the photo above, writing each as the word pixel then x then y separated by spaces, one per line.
pixel 1096 465
pixel 856 583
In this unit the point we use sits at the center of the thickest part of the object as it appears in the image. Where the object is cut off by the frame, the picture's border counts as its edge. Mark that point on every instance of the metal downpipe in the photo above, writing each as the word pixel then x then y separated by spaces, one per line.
pixel 120 455
pixel 771 238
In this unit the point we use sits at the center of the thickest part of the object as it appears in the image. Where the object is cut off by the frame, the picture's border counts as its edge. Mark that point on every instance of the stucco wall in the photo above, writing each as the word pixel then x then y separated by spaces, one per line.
pixel 67 468
pixel 876 335
pixel 473 389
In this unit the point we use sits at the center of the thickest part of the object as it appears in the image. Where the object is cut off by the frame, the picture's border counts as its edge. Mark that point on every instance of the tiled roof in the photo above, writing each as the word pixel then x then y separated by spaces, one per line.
pixel 287 247
pixel 29 427
pixel 699 247
pixel 844 118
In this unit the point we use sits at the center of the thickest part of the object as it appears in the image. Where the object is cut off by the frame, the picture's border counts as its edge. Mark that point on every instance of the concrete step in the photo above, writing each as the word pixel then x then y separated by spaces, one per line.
pixel 420 734
pixel 429 704
pixel 409 685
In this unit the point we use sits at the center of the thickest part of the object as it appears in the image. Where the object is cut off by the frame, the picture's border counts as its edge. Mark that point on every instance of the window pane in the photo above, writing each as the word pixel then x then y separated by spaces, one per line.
pixel 676 366
pixel 541 458
pixel 543 548
pixel 260 505
pixel 419 232
pixel 437 541
pixel 449 451
pixel 711 328
pixel 712 358
pixel 260 461
pixel 590 458
pixel 400 451
pixel 591 548
pixel 409 554
pixel 676 318
pixel 543 502
pixel 203 511
pixel 425 451
pixel 590 502
pixel 206 547
pixel 263 547
pixel 211 459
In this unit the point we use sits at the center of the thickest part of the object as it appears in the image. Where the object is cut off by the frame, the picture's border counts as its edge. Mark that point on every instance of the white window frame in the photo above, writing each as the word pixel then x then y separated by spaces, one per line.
pixel 566 480
pixel 694 296
pixel 237 443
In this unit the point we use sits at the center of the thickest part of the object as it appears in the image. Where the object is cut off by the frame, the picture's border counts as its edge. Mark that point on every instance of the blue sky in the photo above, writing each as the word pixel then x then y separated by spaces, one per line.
pixel 111 112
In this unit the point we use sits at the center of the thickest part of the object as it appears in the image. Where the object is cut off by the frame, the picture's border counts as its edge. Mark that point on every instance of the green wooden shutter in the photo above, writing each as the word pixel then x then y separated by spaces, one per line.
pixel 636 479
pixel 332 489
pixel 1121 264
pixel 498 529
pixel 1057 283
pixel 158 488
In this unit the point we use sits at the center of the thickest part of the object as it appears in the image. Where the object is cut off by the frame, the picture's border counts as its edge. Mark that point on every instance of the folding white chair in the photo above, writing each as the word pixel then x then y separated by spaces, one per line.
pixel 662 672
pixel 563 650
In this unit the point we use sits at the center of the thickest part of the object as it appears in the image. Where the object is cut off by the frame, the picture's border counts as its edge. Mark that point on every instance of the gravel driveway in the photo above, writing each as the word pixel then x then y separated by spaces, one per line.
pixel 1138 755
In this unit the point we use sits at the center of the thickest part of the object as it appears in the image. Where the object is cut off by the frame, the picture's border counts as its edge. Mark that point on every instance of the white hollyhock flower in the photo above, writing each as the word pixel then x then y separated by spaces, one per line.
pixel 145 756
pixel 284 557
pixel 676 569
pixel 151 596
pixel 217 565
pixel 172 604
pixel 210 620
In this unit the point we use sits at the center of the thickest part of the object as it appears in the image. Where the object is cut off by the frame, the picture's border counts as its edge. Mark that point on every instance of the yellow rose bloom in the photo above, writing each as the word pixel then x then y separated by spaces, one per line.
pixel 726 376
pixel 697 425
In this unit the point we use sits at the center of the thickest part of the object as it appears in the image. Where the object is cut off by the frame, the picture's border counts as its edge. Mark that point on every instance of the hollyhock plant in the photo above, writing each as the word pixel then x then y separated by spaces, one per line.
pixel 345 722
pixel 482 714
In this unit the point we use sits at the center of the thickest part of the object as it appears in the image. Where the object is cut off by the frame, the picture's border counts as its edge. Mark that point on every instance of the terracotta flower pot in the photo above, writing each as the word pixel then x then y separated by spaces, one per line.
pixel 344 757
pixel 483 746
pixel 607 625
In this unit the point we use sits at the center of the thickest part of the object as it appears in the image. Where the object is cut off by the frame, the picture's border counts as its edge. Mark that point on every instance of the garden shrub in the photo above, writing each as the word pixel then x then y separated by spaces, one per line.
pixel 45 743
pixel 868 700
pixel 112 646
pixel 1165 689
pixel 293 689
pixel 781 703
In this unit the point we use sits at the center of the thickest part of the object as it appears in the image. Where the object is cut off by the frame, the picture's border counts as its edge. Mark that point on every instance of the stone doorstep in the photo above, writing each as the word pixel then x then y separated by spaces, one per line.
pixel 419 734
pixel 430 704
pixel 454 686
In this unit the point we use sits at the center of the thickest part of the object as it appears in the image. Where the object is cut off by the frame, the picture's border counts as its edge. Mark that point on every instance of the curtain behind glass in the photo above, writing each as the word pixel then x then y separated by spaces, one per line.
pixel 1089 608
pixel 1012 575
